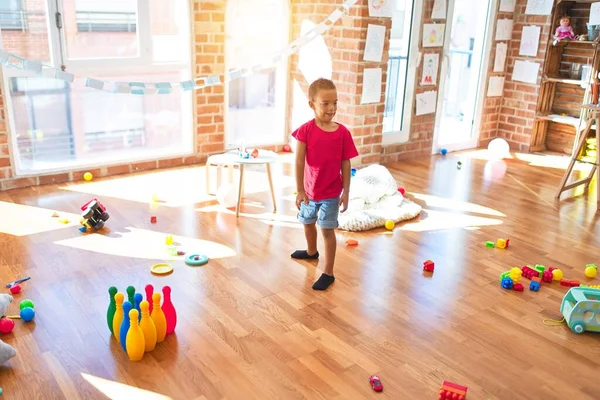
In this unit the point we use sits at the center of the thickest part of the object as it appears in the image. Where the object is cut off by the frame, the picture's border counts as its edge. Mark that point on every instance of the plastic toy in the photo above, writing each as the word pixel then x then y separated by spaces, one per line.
pixel 389 224
pixel 9 285
pixel 518 287
pixel 557 274
pixel 161 269
pixel 444 151
pixel 591 270
pixel 196 259
pixel 459 165
pixel 180 253
pixel 569 282
pixel 88 176
pixel 540 269
pixel 94 215
pixel 153 219
pixel 6 325
pixel 515 274
pixel 353 172
pixel 286 148
pixel 507 283
pixel 15 289
pixel 502 243
pixel 529 273
pixel 452 391
pixel 428 266
pixel 489 244
pixel 402 190
pixel 535 283
pixel 351 242
pixel 27 314
pixel 580 307
pixel 376 384
pixel 169 240
pixel 547 276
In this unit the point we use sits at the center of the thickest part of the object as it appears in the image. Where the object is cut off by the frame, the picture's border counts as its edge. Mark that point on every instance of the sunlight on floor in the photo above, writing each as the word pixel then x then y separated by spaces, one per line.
pixel 456 205
pixel 480 154
pixel 268 218
pixel 145 244
pixel 551 161
pixel 21 220
pixel 119 391
pixel 432 220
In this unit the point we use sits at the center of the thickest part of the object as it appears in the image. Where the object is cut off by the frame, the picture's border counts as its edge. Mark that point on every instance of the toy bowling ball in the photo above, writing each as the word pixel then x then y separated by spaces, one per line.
pixel 27 314
pixel 88 176
pixel 15 289
pixel 6 325
pixel 591 270
pixel 389 224
pixel 26 303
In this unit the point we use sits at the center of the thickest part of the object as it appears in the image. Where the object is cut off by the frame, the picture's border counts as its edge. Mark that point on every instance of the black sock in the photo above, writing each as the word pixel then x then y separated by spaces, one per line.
pixel 323 282
pixel 303 255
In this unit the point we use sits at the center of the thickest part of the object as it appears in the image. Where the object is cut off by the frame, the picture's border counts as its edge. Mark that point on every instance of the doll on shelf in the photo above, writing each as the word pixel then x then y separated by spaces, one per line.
pixel 564 30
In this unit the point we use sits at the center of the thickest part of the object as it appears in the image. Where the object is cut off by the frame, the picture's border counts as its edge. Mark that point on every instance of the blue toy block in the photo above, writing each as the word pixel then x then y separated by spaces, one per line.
pixel 535 286
pixel 82 229
pixel 507 283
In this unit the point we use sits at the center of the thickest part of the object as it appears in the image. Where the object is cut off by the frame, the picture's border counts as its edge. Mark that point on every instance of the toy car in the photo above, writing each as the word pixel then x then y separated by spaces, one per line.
pixel 94 215
pixel 376 383
pixel 581 309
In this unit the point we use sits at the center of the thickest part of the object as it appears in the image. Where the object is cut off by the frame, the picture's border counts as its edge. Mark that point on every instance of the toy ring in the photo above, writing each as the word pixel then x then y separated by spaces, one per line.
pixel 161 269
pixel 196 260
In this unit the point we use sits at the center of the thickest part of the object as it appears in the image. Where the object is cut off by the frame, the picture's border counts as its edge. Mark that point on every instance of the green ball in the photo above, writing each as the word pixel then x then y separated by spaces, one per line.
pixel 26 303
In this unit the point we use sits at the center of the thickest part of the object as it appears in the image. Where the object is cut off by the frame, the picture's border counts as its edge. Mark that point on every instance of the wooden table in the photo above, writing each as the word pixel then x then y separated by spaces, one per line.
pixel 232 158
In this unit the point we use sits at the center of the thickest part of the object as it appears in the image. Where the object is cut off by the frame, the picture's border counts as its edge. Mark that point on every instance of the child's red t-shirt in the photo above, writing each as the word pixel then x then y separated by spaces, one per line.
pixel 325 152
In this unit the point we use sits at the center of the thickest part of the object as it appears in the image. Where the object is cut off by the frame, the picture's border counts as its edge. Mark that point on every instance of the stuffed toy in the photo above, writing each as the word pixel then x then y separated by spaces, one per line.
pixel 6 351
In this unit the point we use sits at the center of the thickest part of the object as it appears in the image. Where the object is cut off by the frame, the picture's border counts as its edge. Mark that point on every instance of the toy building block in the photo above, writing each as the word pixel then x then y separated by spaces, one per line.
pixel 547 276
pixel 535 283
pixel 428 266
pixel 452 391
pixel 518 287
pixel 507 283
pixel 515 274
pixel 169 240
pixel 502 243
pixel 489 244
pixel 529 272
pixel 153 219
pixel 504 275
pixel 569 282
pixel 539 268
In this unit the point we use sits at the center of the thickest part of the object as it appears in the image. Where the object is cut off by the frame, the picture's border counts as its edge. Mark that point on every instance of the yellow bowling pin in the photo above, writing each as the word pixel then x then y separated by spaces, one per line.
pixel 147 326
pixel 135 338
pixel 119 314
pixel 158 316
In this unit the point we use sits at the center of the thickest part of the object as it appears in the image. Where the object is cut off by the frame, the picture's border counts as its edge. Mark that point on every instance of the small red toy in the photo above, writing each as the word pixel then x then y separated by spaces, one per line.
pixel 402 190
pixel 452 391
pixel 376 383
pixel 547 276
pixel 529 272
pixel 518 287
pixel 6 325
pixel 569 282
pixel 15 289
pixel 152 219
pixel 428 266
pixel 286 148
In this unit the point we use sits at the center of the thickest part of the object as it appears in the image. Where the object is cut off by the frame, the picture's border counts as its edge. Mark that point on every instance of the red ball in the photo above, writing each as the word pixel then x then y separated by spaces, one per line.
pixel 15 289
pixel 401 190
pixel 287 148
pixel 6 325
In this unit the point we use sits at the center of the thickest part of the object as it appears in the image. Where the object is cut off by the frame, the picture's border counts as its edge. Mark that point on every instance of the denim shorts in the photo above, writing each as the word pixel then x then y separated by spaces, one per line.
pixel 324 212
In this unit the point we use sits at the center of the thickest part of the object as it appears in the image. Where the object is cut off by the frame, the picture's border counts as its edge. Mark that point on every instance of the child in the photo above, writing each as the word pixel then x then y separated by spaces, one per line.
pixel 322 175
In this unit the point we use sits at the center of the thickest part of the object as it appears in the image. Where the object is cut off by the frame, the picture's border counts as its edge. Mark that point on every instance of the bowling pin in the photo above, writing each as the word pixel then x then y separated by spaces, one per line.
pixel 158 316
pixel 118 318
pixel 169 310
pixel 130 295
pixel 112 307
pixel 147 326
pixel 135 338
pixel 125 324
pixel 138 299
pixel 149 291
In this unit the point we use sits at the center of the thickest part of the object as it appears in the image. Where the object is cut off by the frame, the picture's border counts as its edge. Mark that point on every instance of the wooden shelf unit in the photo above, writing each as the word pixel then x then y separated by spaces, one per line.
pixel 560 116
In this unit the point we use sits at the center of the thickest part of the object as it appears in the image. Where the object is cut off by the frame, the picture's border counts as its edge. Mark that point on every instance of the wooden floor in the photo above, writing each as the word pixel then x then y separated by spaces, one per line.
pixel 251 327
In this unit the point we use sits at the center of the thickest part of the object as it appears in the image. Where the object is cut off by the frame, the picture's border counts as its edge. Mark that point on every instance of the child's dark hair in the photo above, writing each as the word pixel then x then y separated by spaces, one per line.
pixel 320 84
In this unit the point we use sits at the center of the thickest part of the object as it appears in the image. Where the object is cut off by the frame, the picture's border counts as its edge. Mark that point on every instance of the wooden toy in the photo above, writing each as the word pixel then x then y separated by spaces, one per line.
pixel 135 338
pixel 118 317
pixel 147 326
pixel 169 310
pixel 428 266
pixel 452 391
pixel 158 317
pixel 576 304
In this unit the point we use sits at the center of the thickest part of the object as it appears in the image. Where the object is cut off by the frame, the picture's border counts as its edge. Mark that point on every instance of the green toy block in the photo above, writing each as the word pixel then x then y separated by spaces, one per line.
pixel 489 243
pixel 504 275
pixel 540 268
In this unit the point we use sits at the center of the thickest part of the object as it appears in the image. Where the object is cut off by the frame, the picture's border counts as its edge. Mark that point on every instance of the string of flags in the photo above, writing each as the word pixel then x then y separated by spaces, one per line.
pixel 145 88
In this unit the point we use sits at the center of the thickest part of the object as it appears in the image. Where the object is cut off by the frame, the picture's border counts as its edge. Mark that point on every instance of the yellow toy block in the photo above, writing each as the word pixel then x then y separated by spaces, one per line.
pixel 501 243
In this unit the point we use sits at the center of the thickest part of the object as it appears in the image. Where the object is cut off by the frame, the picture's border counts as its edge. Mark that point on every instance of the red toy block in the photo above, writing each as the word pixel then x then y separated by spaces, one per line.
pixel 547 277
pixel 569 282
pixel 428 266
pixel 529 272
pixel 518 287
pixel 153 219
pixel 402 191
pixel 452 391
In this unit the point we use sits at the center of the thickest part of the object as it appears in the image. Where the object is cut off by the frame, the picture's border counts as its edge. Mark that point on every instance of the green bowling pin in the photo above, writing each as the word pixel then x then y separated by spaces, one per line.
pixel 131 295
pixel 112 307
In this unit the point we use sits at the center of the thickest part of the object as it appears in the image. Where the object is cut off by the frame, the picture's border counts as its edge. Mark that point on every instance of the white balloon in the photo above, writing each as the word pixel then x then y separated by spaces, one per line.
pixel 227 195
pixel 498 149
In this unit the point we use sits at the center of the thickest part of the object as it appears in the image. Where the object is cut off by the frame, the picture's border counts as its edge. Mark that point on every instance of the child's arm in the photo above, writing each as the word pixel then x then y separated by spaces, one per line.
pixel 346 173
pixel 300 163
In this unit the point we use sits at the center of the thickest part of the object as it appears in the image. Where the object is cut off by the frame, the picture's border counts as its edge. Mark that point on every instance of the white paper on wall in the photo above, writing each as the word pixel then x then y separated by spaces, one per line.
pixel 426 102
pixel 375 40
pixel 496 86
pixel 382 8
pixel 433 35
pixel 430 68
pixel 507 5
pixel 595 14
pixel 371 90
pixel 526 71
pixel 504 29
pixel 539 7
pixel 439 9
pixel 530 40
pixel 500 59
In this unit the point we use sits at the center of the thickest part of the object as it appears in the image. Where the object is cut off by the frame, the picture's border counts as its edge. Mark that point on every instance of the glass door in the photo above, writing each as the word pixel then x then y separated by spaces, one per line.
pixel 467 45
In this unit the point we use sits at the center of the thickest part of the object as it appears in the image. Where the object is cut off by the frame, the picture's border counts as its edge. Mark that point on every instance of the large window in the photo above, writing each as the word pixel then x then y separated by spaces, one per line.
pixel 58 126
pixel 400 75
pixel 256 109
pixel 12 15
